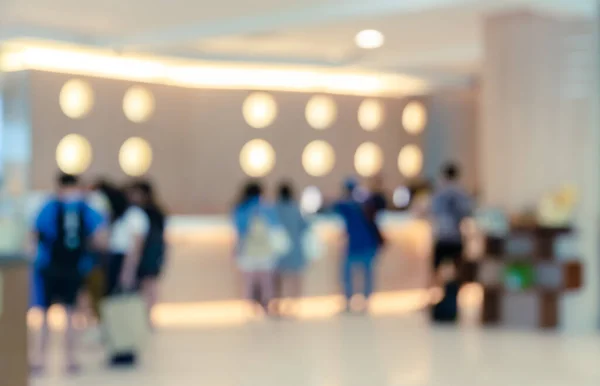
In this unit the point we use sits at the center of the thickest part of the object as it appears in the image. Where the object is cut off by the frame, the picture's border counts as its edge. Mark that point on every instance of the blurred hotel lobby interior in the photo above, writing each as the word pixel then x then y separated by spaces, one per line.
pixel 200 97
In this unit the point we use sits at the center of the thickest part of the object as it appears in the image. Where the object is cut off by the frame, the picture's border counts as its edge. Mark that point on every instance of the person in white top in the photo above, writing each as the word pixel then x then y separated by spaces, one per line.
pixel 129 227
pixel 142 194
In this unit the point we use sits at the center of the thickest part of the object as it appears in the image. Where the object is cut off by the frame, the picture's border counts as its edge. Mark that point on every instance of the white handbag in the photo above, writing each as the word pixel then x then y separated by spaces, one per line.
pixel 264 240
pixel 125 321
pixel 280 240
pixel 314 247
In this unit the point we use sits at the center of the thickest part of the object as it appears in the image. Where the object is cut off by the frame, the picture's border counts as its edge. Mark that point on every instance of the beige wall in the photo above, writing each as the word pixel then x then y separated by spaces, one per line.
pixel 452 132
pixel 196 136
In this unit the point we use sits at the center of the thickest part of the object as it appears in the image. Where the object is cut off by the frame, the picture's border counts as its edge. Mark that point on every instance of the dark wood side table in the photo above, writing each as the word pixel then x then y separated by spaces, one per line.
pixel 525 274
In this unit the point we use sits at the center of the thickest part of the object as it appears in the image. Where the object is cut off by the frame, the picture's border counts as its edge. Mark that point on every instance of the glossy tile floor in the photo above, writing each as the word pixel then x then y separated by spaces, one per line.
pixel 349 351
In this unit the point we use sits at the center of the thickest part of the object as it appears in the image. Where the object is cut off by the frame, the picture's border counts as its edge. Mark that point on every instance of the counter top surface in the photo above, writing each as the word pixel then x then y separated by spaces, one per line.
pixel 12 260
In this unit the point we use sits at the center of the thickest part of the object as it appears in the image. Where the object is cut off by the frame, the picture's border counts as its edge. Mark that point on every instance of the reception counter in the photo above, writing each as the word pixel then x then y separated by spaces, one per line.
pixel 201 267
pixel 14 300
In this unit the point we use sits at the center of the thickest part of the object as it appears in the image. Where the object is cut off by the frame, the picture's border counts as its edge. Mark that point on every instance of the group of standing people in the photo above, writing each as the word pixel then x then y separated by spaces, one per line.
pixel 270 251
pixel 94 242
pixel 267 267
pixel 271 242
pixel 104 240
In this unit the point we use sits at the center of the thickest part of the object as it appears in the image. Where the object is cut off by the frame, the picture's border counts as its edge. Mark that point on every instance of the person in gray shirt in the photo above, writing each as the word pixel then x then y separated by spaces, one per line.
pixel 450 206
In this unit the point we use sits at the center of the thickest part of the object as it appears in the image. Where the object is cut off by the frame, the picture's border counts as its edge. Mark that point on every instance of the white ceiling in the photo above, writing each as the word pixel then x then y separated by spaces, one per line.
pixel 435 38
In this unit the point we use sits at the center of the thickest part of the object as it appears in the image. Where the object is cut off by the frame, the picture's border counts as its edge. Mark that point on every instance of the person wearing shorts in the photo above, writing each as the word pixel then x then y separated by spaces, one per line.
pixel 63 229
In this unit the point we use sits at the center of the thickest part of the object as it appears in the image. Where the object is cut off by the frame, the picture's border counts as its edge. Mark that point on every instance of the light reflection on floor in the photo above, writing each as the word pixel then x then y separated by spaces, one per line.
pixel 357 350
pixel 235 312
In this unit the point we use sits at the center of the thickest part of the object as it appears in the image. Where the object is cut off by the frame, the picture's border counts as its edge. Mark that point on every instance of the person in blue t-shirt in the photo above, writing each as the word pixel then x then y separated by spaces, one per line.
pixel 362 246
pixel 63 231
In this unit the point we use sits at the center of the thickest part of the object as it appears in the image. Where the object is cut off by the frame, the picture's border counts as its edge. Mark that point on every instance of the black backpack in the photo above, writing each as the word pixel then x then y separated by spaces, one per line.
pixel 69 246
pixel 154 245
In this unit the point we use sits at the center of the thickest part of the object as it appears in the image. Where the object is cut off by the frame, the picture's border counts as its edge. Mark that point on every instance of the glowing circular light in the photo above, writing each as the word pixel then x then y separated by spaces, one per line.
pixel 414 117
pixel 311 200
pixel 369 39
pixel 74 154
pixel 368 159
pixel 135 157
pixel 260 110
pixel 321 112
pixel 138 104
pixel 410 161
pixel 370 114
pixel 76 98
pixel 401 197
pixel 257 158
pixel 318 158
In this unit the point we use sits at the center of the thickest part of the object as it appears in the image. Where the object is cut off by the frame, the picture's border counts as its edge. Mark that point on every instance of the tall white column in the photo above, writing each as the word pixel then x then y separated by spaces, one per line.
pixel 540 129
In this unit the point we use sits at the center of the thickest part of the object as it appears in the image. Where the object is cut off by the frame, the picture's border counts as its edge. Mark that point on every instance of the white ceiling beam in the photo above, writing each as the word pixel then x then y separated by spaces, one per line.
pixel 282 19
pixel 44 34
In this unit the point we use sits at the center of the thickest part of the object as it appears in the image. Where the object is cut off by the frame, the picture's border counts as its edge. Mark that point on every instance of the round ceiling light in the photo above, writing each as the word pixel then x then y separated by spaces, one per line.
pixel 76 98
pixel 311 200
pixel 321 112
pixel 414 117
pixel 257 158
pixel 138 104
pixel 410 161
pixel 369 39
pixel 73 154
pixel 260 110
pixel 370 114
pixel 135 157
pixel 401 197
pixel 368 159
pixel 318 158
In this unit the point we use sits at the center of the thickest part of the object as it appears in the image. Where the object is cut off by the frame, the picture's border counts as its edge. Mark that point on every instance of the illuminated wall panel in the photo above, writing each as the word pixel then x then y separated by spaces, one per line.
pixel 196 136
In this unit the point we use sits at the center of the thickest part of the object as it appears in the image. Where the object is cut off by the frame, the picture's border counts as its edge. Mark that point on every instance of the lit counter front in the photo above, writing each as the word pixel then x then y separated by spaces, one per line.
pixel 201 266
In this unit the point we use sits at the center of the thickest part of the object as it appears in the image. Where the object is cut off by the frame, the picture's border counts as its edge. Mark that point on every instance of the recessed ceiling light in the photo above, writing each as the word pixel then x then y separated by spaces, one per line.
pixel 369 39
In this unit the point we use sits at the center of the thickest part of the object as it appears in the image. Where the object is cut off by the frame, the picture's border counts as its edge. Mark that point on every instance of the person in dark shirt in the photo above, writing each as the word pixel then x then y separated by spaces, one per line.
pixel 362 244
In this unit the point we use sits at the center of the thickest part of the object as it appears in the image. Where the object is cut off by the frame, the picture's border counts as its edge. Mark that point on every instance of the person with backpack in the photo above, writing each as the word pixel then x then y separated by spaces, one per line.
pixel 129 227
pixel 65 228
pixel 141 194
pixel 261 240
pixel 450 205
